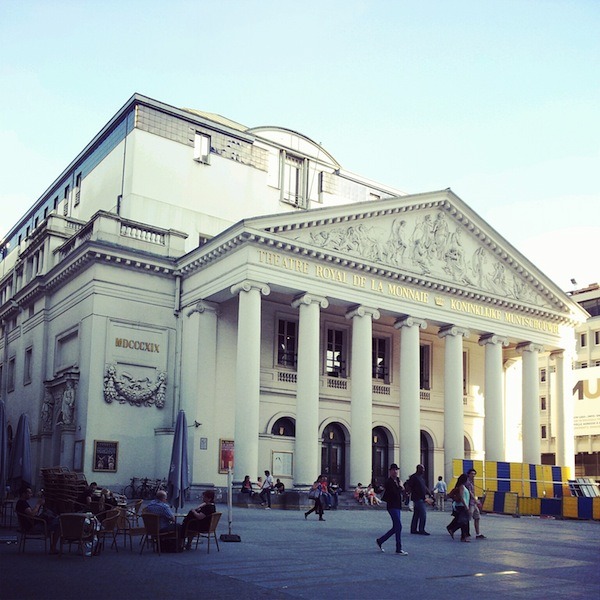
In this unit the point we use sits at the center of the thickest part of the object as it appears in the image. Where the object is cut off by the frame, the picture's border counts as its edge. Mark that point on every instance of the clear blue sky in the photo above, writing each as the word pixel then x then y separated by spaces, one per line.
pixel 497 99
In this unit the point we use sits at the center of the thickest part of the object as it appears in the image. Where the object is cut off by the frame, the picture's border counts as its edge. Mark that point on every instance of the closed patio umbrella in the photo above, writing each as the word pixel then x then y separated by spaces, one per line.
pixel 19 463
pixel 178 481
pixel 3 451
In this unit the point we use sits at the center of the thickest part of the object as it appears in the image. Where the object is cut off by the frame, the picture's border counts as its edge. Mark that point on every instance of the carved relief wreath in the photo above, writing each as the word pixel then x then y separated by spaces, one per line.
pixel 137 392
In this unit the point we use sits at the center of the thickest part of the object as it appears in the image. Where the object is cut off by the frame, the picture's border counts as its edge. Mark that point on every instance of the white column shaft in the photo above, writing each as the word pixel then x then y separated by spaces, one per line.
pixel 361 411
pixel 247 374
pixel 454 446
pixel 565 434
pixel 307 399
pixel 494 399
pixel 410 397
pixel 531 409
pixel 206 462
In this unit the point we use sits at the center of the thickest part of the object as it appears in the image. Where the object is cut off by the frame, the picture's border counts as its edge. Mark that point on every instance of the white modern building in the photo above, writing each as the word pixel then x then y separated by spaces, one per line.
pixel 585 390
pixel 306 319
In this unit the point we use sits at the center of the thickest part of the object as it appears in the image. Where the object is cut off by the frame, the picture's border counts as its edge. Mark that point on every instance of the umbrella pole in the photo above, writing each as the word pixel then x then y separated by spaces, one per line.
pixel 230 537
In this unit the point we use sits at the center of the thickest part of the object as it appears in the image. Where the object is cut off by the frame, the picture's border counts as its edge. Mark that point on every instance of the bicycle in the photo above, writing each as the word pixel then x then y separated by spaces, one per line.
pixel 129 491
pixel 148 487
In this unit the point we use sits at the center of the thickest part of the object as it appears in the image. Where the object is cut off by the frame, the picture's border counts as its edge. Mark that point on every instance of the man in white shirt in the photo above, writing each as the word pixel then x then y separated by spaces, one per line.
pixel 439 491
pixel 265 492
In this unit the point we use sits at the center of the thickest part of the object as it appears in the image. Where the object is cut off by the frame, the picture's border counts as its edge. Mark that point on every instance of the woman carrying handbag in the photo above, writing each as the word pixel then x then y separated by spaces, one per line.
pixel 316 494
pixel 460 510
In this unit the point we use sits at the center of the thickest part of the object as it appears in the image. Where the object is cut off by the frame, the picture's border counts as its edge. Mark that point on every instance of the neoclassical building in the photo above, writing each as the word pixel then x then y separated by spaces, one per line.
pixel 306 319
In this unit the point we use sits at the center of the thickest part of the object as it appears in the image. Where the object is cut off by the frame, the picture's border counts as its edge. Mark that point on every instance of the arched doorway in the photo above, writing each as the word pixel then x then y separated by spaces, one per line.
pixel 467 448
pixel 380 457
pixel 333 450
pixel 427 456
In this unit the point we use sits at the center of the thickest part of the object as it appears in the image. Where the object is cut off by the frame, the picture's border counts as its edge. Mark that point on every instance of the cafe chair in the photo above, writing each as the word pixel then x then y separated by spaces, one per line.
pixel 152 533
pixel 108 529
pixel 212 532
pixel 31 528
pixel 77 528
pixel 128 525
pixel 134 507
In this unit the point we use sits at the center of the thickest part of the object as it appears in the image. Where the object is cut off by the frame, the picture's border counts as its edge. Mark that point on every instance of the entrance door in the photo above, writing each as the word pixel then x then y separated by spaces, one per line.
pixel 333 463
pixel 380 460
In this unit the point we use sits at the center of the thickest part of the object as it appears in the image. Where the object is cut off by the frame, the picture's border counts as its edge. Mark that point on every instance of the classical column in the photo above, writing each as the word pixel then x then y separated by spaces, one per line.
pixel 199 385
pixel 454 444
pixel 306 458
pixel 494 397
pixel 532 452
pixel 565 434
pixel 247 378
pixel 410 396
pixel 361 410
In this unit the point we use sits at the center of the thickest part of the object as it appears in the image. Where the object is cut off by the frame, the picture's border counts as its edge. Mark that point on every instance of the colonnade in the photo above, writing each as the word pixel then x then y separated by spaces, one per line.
pixel 307 441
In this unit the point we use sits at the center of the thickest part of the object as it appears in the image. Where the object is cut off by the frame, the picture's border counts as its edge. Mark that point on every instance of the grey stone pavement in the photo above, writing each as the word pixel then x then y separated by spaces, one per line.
pixel 283 556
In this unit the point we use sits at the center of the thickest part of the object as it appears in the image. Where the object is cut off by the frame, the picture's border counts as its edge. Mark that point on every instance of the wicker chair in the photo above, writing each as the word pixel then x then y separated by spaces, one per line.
pixel 31 528
pixel 152 533
pixel 109 520
pixel 76 528
pixel 191 533
pixel 128 525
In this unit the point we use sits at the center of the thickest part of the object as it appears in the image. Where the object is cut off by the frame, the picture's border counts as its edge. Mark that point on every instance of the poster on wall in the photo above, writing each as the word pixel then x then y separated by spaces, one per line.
pixel 282 464
pixel 225 455
pixel 586 401
pixel 105 456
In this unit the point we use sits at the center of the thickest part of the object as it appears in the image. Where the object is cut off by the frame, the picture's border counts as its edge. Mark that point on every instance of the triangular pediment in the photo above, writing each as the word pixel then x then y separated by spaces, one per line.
pixel 434 239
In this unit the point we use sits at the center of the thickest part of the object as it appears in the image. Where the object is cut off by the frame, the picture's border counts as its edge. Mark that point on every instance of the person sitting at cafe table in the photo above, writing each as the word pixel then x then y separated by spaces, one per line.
pixel 84 500
pixel 160 507
pixel 198 519
pixel 24 510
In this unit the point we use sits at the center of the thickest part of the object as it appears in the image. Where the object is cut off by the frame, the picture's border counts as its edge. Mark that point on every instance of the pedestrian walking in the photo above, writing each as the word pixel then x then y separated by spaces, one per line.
pixel 392 496
pixel 418 492
pixel 316 494
pixel 460 509
pixel 474 512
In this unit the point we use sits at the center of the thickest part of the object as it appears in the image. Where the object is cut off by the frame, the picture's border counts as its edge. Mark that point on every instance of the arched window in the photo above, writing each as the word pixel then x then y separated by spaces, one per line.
pixel 284 426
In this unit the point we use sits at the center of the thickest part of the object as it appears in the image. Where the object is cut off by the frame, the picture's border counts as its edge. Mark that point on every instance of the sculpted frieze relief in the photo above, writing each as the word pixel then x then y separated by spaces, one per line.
pixel 125 388
pixel 428 244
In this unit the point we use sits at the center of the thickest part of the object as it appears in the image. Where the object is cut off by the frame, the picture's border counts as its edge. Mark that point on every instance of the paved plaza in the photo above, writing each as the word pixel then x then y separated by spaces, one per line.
pixel 283 556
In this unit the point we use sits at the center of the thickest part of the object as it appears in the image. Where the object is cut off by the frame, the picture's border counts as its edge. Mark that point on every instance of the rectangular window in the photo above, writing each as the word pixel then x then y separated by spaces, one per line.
pixel 425 366
pixel 583 340
pixel 293 185
pixel 544 432
pixel 27 365
pixel 77 189
pixel 465 374
pixel 335 353
pixel 202 148
pixel 543 403
pixel 542 375
pixel 10 381
pixel 381 359
pixel 583 365
pixel 597 338
pixel 287 343
pixel 66 200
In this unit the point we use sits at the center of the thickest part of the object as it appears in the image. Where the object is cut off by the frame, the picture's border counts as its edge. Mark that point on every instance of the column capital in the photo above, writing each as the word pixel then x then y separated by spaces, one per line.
pixel 529 347
pixel 248 284
pixel 361 311
pixel 493 338
pixel 453 330
pixel 203 306
pixel 410 322
pixel 308 299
